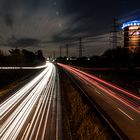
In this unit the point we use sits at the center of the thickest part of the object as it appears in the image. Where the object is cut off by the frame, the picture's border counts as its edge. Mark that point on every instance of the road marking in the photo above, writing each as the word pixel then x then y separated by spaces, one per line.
pixel 98 91
pixel 126 114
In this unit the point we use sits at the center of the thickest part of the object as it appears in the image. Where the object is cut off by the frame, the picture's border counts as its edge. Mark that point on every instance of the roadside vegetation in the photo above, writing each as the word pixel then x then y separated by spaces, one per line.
pixel 118 66
pixel 111 58
pixel 12 79
pixel 17 57
pixel 79 120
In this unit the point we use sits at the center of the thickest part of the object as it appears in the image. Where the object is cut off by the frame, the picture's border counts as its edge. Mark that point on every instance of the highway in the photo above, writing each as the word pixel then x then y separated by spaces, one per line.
pixel 115 103
pixel 32 113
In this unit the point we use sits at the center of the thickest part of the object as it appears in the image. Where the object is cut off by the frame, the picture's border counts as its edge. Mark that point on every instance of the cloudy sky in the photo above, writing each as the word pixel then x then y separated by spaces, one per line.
pixel 48 24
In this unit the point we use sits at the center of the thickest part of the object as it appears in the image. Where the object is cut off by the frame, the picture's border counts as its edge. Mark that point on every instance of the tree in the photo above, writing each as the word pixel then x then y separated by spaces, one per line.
pixel 14 52
pixel 136 57
pixel 39 55
pixel 1 53
pixel 118 57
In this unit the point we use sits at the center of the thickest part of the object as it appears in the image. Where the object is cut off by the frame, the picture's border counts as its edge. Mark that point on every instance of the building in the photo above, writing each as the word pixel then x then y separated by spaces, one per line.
pixel 131 34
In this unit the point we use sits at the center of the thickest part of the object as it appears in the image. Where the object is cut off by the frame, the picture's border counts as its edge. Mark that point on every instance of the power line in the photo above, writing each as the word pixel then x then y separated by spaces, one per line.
pixel 114 33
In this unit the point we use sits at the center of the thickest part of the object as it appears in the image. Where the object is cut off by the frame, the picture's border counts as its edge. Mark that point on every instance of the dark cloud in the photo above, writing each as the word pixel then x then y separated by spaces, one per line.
pixel 8 19
pixel 27 42
pixel 8 5
pixel 133 15
pixel 35 21
pixel 97 15
pixel 88 8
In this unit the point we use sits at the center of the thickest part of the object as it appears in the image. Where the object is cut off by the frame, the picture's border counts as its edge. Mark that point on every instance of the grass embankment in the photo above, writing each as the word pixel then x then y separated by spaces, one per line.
pixel 10 79
pixel 79 120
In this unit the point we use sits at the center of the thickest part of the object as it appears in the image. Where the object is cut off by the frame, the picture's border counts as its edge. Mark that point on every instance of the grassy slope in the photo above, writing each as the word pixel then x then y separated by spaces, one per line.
pixel 80 122
pixel 9 79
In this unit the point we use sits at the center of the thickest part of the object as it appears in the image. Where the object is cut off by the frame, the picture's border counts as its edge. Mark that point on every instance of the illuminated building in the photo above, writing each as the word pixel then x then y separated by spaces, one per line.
pixel 131 31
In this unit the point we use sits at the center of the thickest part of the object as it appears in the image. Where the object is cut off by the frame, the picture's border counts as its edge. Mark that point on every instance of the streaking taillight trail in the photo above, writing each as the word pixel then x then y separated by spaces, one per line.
pixel 107 88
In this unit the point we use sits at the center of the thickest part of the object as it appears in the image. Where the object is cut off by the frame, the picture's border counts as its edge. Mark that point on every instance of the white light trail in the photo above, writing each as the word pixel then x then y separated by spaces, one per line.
pixel 12 68
pixel 16 110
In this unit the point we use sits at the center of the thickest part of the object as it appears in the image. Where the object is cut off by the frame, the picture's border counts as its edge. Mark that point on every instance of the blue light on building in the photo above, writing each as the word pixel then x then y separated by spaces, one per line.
pixel 131 23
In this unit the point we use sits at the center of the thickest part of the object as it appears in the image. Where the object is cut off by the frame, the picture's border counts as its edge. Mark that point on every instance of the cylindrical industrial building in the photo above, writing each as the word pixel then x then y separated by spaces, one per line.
pixel 131 32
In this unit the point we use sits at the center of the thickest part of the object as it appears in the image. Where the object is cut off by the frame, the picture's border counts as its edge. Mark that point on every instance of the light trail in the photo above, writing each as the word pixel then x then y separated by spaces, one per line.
pixel 89 78
pixel 25 115
pixel 23 92
pixel 108 84
pixel 28 68
pixel 113 103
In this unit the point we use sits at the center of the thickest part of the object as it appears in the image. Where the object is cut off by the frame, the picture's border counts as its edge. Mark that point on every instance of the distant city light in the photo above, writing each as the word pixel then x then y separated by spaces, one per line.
pixel 131 23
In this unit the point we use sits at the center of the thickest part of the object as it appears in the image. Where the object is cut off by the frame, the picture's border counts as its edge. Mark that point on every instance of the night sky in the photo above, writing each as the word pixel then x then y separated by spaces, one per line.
pixel 47 24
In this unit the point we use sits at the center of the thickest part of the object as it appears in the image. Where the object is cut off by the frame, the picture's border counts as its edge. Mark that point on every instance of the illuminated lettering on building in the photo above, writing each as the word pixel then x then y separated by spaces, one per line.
pixel 131 31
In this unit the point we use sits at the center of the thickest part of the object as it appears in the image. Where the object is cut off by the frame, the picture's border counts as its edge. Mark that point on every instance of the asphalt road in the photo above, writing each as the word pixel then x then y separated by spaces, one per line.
pixel 32 113
pixel 120 105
